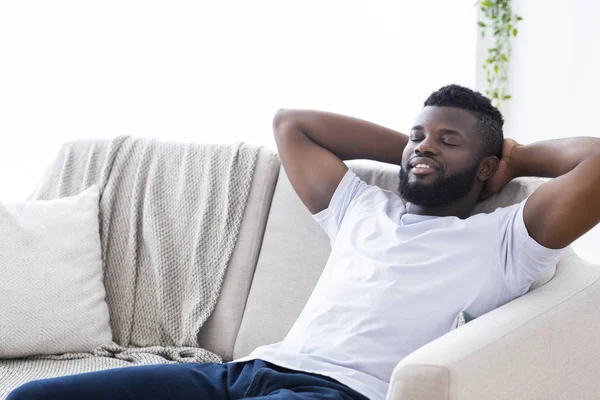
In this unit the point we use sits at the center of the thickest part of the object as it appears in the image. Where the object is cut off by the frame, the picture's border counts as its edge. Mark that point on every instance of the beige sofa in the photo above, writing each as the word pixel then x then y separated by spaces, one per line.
pixel 544 345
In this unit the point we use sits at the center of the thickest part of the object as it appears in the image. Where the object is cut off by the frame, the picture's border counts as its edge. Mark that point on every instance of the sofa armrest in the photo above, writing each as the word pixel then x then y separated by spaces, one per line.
pixel 543 345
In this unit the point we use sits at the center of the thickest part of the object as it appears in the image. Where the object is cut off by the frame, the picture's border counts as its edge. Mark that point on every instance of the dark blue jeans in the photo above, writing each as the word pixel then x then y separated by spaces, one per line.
pixel 255 379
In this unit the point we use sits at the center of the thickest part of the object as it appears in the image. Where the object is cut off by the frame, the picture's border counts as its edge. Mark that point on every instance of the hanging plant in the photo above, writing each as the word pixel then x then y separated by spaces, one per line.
pixel 500 20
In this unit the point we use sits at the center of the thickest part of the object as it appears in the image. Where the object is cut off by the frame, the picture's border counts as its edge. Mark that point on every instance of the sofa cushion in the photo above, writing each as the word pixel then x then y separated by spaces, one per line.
pixel 295 251
pixel 52 296
pixel 220 330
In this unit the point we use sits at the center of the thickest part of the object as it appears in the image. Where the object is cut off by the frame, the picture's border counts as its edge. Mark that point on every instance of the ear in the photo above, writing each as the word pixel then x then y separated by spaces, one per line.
pixel 487 168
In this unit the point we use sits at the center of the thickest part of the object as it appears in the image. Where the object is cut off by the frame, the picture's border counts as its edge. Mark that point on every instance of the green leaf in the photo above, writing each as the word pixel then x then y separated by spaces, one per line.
pixel 504 58
pixel 515 31
pixel 519 18
pixel 496 68
pixel 486 3
pixel 481 24
pixel 506 97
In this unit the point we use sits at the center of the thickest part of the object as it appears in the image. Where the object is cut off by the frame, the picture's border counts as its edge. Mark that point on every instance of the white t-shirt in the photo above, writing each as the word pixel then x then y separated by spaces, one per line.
pixel 396 281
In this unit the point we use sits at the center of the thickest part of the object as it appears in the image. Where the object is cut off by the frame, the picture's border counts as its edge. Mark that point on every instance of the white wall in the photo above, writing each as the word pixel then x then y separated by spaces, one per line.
pixel 554 78
pixel 213 71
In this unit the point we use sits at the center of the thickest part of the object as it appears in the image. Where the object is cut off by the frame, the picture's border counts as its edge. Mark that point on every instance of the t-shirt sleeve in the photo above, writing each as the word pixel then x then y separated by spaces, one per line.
pixel 349 191
pixel 523 259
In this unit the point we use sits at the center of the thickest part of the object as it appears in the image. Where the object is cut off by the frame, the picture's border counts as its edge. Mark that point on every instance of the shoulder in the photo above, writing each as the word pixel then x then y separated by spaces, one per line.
pixel 500 214
pixel 370 196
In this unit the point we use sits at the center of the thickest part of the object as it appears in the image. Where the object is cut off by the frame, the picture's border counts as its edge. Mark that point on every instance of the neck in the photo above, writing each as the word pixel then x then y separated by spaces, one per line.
pixel 461 208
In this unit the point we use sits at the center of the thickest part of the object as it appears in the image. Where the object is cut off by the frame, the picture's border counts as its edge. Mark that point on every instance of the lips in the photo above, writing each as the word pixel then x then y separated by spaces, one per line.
pixel 422 171
pixel 421 166
pixel 425 161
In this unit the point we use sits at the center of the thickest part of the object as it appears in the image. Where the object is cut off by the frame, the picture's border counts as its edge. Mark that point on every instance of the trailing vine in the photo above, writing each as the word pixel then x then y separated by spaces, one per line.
pixel 500 20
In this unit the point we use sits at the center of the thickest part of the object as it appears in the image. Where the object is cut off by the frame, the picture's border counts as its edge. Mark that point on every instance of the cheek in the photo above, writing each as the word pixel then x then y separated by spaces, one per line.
pixel 408 150
pixel 459 164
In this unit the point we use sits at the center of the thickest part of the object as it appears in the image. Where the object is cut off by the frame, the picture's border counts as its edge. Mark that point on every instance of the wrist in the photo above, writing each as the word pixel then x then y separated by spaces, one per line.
pixel 517 161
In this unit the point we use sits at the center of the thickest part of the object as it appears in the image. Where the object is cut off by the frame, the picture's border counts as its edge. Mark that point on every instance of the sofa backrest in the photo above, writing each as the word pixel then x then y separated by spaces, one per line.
pixel 295 249
pixel 219 332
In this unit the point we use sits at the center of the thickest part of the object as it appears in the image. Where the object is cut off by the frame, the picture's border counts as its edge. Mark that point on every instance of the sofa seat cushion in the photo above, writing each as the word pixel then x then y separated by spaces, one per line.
pixel 15 373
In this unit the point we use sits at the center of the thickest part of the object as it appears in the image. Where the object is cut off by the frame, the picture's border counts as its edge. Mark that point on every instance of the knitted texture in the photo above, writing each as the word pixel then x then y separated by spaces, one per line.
pixel 170 214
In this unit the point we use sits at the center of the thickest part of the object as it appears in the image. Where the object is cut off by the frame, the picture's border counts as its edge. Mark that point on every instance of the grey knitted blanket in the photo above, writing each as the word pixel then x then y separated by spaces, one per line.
pixel 170 214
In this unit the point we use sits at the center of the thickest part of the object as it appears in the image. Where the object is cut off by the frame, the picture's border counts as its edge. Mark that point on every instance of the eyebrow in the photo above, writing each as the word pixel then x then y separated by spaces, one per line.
pixel 445 131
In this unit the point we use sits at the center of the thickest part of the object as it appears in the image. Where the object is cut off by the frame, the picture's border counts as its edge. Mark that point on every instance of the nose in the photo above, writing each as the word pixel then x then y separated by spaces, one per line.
pixel 427 146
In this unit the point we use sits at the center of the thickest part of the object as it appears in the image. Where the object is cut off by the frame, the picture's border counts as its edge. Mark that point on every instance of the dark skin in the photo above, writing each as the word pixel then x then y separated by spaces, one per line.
pixel 312 145
pixel 448 137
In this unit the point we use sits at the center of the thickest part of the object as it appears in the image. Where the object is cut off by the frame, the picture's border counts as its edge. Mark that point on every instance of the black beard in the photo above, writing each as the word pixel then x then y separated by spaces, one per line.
pixel 441 192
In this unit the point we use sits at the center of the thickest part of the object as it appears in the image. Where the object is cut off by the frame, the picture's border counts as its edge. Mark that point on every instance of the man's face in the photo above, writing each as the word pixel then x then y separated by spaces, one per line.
pixel 440 163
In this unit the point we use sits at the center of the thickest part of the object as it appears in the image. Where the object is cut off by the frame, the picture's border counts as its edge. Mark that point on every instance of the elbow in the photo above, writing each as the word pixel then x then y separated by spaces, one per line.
pixel 281 115
pixel 282 120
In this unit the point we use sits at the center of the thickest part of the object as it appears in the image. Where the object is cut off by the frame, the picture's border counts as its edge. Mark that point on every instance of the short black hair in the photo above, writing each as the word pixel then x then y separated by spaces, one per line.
pixel 489 118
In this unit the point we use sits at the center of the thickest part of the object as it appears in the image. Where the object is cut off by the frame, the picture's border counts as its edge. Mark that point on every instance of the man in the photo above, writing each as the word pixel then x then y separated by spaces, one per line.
pixel 398 275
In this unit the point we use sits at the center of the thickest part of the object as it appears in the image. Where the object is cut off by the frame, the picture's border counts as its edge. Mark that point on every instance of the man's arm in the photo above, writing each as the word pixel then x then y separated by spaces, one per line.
pixel 312 145
pixel 563 209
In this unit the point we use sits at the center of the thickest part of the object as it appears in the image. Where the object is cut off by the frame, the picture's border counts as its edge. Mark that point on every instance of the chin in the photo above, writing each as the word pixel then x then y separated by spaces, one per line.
pixel 421 184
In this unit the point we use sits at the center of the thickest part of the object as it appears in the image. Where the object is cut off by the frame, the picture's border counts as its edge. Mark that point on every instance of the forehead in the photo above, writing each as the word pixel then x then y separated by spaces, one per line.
pixel 433 117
